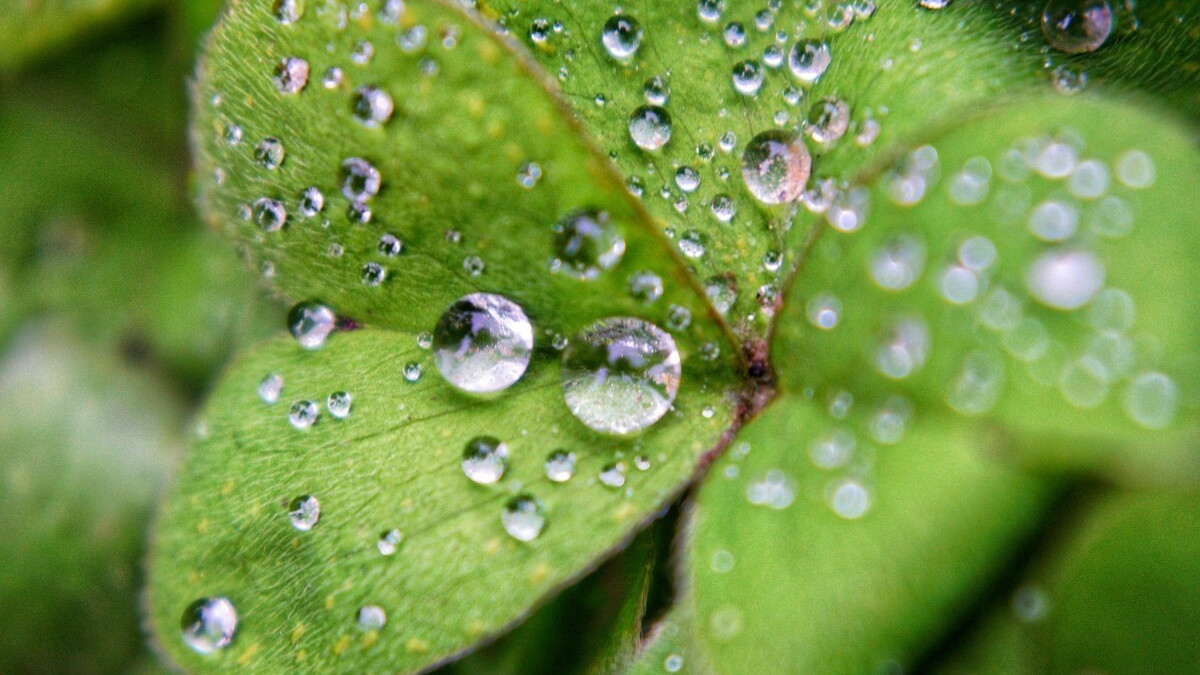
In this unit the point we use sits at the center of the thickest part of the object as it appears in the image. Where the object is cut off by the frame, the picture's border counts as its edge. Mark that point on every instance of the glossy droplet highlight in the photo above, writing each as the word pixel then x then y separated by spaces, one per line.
pixel 587 243
pixel 209 624
pixel 523 518
pixel 482 343
pixel 620 375
pixel 775 167
pixel 484 459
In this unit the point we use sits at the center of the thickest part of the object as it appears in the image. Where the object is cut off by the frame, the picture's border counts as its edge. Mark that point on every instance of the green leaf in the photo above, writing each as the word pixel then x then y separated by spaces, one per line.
pixel 394 462
pixel 1115 595
pixel 1056 311
pixel 84 446
pixel 470 112
pixel 814 549
pixel 29 28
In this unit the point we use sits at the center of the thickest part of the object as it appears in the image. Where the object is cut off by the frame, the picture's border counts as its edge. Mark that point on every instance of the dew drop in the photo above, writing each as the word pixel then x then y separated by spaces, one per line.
pixel 523 518
pixel 1054 220
pixel 621 37
pixel 311 323
pixel 304 512
pixel 373 106
pixel 372 274
pixel 723 208
pixel 270 214
pixel 809 59
pixel 775 167
pixel 371 617
pixel 484 459
pixel 620 375
pixel 270 387
pixel 482 343
pixel 209 624
pixel 747 77
pixel 1077 26
pixel 1065 280
pixel 850 499
pixel 560 466
pixel 288 12
pixel 1151 400
pixel 303 414
pixel 312 202
pixel 898 264
pixel 650 127
pixel 613 475
pixel 360 179
pixel 339 403
pixel 270 153
pixel 389 542
pixel 587 243
pixel 1135 169
pixel 645 287
pixel 828 120
pixel 824 311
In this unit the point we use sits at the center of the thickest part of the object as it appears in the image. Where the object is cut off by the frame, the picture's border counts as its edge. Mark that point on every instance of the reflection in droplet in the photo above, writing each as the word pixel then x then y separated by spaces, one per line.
pixel 483 343
pixel 209 624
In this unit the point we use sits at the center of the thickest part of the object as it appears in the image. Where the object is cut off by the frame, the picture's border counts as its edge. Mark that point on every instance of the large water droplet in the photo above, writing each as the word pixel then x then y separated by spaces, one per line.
pixel 809 59
pixel 586 243
pixel 209 624
pixel 1077 26
pixel 304 512
pixel 775 166
pixel 523 518
pixel 310 323
pixel 484 459
pixel 650 127
pixel 482 343
pixel 622 35
pixel 620 375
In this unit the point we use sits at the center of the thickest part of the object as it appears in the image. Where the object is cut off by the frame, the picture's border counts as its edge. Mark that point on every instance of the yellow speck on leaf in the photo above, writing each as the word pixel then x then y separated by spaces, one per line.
pixel 248 655
pixel 539 573
pixel 417 646
pixel 297 632
pixel 227 488
pixel 491 546
pixel 624 511
pixel 342 644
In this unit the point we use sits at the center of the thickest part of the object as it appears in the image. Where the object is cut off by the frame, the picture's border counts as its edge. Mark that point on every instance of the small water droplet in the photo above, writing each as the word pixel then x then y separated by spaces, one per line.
pixel 312 202
pixel 824 311
pixel 1065 280
pixel 828 120
pixel 747 77
pixel 373 106
pixel 613 475
pixel 270 153
pixel 291 75
pixel 311 323
pixel 371 617
pixel 650 127
pixel 523 518
pixel 390 245
pixel 389 542
pixel 482 343
pixel 484 460
pixel 809 59
pixel 529 174
pixel 270 387
pixel 621 37
pixel 560 466
pixel 1135 169
pixel 288 12
pixel 587 243
pixel 775 167
pixel 774 490
pixel 304 512
pixel 1077 26
pixel 850 499
pixel 270 214
pixel 620 375
pixel 645 287
pixel 303 414
pixel 1152 400
pixel 339 403
pixel 209 624
pixel 360 179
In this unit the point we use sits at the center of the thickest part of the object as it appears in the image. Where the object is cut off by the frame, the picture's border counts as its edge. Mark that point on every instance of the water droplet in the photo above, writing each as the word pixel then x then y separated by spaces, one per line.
pixel 710 11
pixel 288 12
pixel 678 318
pixel 809 59
pixel 828 120
pixel 1152 400
pixel 209 624
pixel 1055 160
pixel 613 475
pixel 722 561
pixel 1135 169
pixel 691 245
pixel 687 178
pixel 776 166
pixel 587 243
pixel 850 499
pixel 291 75
pixel 833 449
pixel 270 153
pixel 1065 280
pixel 523 518
pixel 747 77
pixel 389 542
pixel 1084 382
pixel 270 387
pixel 904 350
pixel 722 292
pixel 482 343
pixel 560 466
pixel 312 202
pixel 958 285
pixel 673 663
pixel 363 52
pixel 824 311
pixel 977 253
pixel 723 208
pixel 529 174
pixel 899 263
pixel 390 245
pixel 1030 604
pixel 339 403
pixel 774 490
pixel 650 127
pixel 621 37
pixel 373 106
pixel 304 512
pixel 360 179
pixel 645 287
pixel 332 79
pixel 1090 180
pixel 620 375
pixel 311 323
pixel 371 617
pixel 372 274
pixel 734 34
pixel 1054 220
pixel 1077 26
pixel 359 212
pixel 270 214
pixel 1112 310
pixel 979 384
pixel 484 459
pixel 656 90
pixel 303 414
